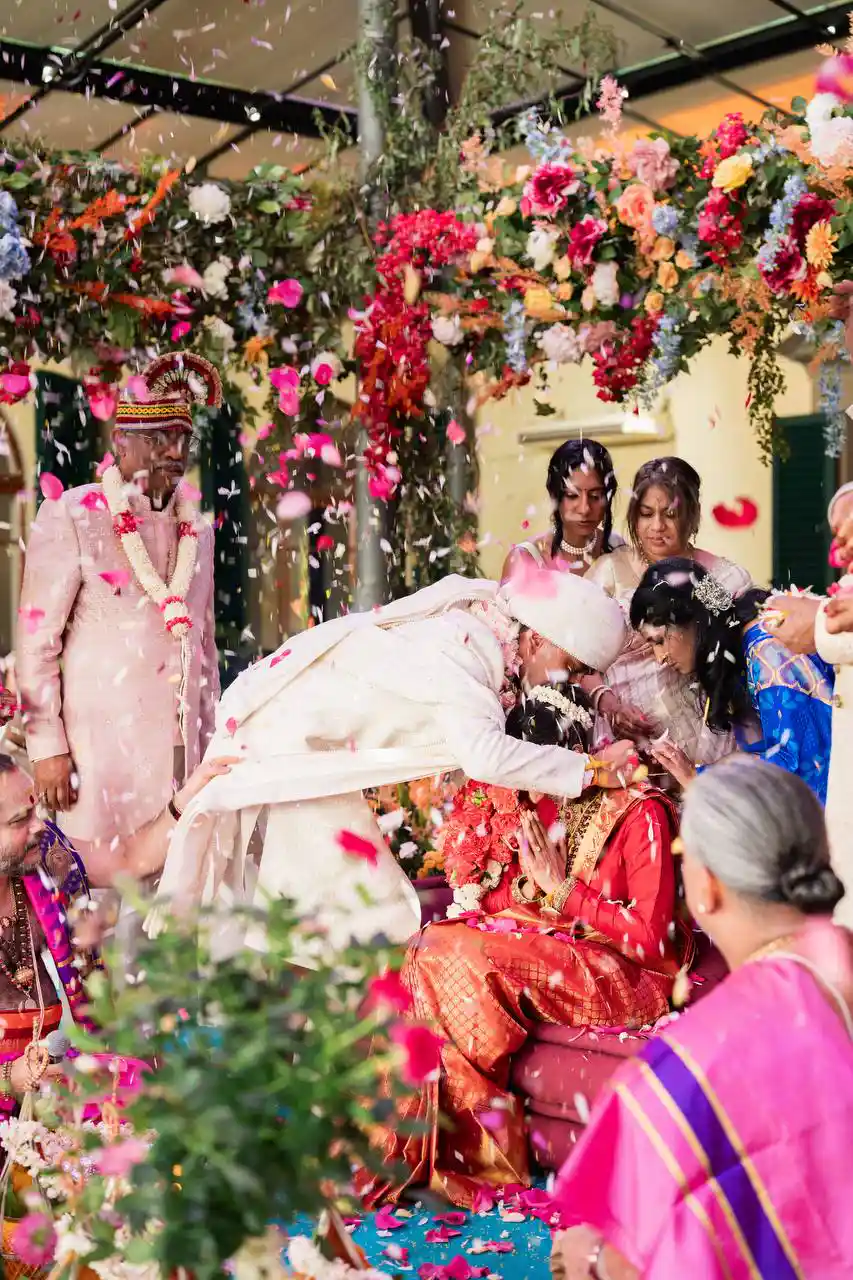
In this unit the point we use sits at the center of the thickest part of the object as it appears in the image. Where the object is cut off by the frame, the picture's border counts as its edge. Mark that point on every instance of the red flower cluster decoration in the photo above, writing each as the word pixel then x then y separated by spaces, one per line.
pixel 618 362
pixel 721 225
pixel 483 826
pixel 393 335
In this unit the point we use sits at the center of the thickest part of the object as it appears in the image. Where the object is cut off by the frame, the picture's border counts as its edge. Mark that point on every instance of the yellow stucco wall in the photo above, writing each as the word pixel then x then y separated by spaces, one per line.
pixel 709 428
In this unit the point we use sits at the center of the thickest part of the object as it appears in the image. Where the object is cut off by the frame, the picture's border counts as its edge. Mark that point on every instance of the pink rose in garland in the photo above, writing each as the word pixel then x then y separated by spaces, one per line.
pixel 548 190
pixel 652 162
pixel 583 238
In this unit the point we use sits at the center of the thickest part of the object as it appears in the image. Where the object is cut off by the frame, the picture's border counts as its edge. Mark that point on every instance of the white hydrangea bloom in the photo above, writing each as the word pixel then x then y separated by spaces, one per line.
pixel 561 344
pixel 210 203
pixel 541 247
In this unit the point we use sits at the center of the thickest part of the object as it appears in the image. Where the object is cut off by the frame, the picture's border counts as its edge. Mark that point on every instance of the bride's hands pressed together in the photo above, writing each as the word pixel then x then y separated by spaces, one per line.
pixel 542 859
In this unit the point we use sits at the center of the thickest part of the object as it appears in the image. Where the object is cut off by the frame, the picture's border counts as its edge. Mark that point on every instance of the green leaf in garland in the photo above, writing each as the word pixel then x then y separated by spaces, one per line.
pixel 269 206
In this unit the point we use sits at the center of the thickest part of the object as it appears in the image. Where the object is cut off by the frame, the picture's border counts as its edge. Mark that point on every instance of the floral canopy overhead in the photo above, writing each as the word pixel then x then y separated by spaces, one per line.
pixel 630 256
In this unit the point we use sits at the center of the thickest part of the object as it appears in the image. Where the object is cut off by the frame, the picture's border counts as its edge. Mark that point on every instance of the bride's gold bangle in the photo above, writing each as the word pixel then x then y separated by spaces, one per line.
pixel 556 900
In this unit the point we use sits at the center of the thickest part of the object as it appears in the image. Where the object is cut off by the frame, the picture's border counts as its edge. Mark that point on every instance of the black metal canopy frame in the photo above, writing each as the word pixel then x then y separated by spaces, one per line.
pixel 82 70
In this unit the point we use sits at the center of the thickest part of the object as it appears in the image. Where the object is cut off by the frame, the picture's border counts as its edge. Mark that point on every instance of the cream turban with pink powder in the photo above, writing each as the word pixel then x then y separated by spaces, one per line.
pixel 571 612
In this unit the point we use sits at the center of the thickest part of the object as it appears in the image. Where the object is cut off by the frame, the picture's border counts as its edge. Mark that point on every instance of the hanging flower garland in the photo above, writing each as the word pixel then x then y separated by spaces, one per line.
pixel 171 597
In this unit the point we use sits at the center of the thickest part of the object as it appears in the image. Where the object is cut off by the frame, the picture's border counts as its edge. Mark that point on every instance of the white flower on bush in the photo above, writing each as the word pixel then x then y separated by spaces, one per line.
pixel 604 284
pixel 561 344
pixel 831 137
pixel 8 298
pixel 307 1260
pixel 215 278
pixel 71 1241
pixel 210 203
pixel 466 898
pixel 221 332
pixel 447 330
pixel 541 247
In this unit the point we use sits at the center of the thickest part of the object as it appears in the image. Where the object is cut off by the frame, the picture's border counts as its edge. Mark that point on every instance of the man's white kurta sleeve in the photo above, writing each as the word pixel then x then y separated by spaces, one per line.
pixel 837 650
pixel 487 754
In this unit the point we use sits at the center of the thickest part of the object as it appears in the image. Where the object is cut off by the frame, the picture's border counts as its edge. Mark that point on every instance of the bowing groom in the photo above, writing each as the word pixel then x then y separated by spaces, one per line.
pixel 419 687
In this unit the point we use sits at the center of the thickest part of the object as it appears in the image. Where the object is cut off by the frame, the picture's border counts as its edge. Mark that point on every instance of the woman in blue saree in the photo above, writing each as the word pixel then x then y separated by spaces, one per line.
pixel 779 704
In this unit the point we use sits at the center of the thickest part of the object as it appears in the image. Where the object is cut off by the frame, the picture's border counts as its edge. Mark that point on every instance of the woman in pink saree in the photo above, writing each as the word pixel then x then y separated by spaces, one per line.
pixel 721 1151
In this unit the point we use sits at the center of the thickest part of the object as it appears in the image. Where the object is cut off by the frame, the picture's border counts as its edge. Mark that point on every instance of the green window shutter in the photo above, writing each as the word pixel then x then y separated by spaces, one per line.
pixel 802 486
pixel 224 492
pixel 68 439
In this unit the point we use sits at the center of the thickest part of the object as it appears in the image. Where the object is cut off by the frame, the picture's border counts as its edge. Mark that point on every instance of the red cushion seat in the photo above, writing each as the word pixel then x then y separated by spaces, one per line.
pixel 561 1070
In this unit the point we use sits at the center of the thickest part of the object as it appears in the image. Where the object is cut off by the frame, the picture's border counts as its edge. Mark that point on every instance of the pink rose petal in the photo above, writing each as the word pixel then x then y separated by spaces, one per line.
pixel 189 491
pixel 440 1235
pixel 455 433
pixel 385 1220
pixel 288 401
pixel 293 506
pixel 94 500
pixel 115 578
pixel 180 330
pixel 357 847
pixel 286 292
pixel 107 461
pixel 138 388
pixel 284 376
pixel 422 1051
pixel 389 990
pixel 51 486
pixel 279 657
pixel 231 725
pixel 186 276
pixel 31 618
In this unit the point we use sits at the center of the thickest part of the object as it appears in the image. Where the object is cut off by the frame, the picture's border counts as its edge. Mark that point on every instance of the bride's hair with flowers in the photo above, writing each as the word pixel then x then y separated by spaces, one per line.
pixel 553 716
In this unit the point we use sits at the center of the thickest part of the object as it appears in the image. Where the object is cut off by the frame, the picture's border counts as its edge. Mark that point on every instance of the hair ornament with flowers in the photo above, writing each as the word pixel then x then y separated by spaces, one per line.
pixel 711 593
pixel 570 711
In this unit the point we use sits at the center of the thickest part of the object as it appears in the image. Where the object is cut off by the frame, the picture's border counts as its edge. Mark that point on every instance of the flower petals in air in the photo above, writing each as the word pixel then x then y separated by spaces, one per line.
pixel 293 506
pixel 455 433
pixel 389 989
pixel 421 1049
pixel 740 517
pixel 106 461
pixel 51 486
pixel 357 847
pixel 115 578
pixel 31 618
pixel 93 499
pixel 286 292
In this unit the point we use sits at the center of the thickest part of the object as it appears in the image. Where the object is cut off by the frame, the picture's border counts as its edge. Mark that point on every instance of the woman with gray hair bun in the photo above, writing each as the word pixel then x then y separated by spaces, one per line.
pixel 723 1147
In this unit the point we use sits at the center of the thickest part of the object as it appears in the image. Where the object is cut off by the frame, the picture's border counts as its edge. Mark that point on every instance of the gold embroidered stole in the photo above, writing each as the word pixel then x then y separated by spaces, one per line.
pixel 590 823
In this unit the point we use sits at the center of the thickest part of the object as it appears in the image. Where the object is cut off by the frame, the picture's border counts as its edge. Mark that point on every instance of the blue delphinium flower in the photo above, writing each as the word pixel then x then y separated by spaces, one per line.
pixel 780 220
pixel 514 336
pixel 665 220
pixel 664 359
pixel 829 392
pixel 14 259
pixel 545 145
pixel 8 212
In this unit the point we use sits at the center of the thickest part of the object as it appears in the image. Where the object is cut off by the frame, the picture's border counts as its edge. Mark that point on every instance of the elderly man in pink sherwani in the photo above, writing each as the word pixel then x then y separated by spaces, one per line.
pixel 117 666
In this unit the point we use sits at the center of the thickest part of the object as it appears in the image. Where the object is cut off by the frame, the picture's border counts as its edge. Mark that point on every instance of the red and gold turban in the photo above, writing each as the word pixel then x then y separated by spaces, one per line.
pixel 174 383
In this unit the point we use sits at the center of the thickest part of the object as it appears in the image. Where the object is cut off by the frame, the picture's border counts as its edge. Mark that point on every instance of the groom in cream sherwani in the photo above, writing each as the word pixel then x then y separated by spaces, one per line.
pixel 409 690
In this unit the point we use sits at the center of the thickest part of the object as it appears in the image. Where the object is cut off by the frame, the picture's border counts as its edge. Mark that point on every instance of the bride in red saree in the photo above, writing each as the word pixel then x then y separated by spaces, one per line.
pixel 562 914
